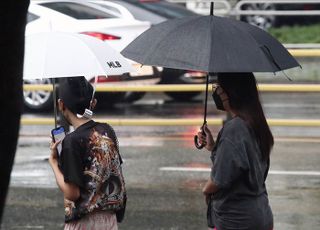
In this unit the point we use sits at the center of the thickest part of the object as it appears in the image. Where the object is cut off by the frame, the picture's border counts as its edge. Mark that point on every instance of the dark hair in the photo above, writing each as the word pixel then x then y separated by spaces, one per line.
pixel 241 89
pixel 76 93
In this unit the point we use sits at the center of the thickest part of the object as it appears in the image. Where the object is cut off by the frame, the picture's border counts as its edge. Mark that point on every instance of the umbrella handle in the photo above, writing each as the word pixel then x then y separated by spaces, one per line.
pixel 197 144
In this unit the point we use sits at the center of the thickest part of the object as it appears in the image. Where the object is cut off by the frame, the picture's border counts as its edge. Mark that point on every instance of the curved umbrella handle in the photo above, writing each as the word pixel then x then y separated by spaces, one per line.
pixel 197 144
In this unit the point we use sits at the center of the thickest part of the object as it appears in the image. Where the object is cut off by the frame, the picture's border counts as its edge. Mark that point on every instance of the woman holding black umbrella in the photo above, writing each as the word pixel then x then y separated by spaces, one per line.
pixel 236 192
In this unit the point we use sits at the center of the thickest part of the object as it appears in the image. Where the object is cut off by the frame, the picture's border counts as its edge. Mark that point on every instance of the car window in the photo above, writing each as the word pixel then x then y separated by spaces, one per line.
pixel 77 11
pixel 111 8
pixel 31 17
pixel 141 13
pixel 165 9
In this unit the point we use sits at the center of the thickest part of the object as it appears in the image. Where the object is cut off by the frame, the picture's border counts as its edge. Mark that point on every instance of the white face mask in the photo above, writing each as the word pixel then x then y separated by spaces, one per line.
pixel 87 114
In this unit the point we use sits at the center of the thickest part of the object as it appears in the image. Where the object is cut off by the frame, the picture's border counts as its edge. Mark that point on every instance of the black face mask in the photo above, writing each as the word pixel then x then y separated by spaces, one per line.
pixel 217 100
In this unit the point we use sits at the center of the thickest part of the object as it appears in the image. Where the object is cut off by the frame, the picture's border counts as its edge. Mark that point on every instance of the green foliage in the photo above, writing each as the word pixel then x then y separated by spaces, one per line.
pixel 297 34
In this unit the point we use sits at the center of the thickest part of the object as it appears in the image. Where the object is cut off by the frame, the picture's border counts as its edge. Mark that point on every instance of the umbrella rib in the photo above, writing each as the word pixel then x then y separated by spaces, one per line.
pixel 244 31
pixel 46 59
pixel 92 53
pixel 169 32
pixel 238 28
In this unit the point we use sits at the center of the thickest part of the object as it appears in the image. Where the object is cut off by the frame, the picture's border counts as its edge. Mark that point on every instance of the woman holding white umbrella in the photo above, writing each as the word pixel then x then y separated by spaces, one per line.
pixel 88 167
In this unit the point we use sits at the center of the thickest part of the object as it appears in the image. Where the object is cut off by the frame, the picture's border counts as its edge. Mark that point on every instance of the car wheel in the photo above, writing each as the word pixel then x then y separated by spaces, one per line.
pixel 174 76
pixel 263 21
pixel 39 100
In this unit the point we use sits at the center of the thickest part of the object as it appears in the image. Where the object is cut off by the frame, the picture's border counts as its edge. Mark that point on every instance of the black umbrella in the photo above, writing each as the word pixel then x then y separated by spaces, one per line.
pixel 211 44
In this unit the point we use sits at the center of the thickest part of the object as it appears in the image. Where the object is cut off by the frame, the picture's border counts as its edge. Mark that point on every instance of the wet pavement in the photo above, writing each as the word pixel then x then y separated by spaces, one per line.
pixel 164 172
pixel 161 195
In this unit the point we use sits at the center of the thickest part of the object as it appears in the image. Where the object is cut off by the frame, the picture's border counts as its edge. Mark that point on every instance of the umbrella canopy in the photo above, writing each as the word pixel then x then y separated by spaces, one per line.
pixel 210 44
pixel 57 54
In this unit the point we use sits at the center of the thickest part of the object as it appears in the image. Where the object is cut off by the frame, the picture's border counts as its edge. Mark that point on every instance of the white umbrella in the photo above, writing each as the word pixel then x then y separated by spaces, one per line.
pixel 57 54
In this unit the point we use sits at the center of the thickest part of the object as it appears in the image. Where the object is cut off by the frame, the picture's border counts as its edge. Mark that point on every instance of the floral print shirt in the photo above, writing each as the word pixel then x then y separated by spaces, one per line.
pixel 90 159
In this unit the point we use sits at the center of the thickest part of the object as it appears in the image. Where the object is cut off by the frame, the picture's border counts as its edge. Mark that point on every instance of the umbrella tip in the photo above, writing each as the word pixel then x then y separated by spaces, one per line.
pixel 211 8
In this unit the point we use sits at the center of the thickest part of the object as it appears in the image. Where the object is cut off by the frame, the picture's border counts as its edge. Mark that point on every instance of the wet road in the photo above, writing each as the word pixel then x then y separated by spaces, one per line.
pixel 164 172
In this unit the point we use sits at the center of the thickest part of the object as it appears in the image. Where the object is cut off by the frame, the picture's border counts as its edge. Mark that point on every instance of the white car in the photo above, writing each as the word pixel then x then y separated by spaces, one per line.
pixel 90 19
pixel 157 11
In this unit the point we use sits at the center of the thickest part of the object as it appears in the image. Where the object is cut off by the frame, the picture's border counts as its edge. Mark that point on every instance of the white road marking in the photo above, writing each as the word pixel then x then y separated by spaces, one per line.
pixel 185 169
pixel 295 173
pixel 29 173
pixel 154 140
pixel 291 105
pixel 28 227
pixel 272 172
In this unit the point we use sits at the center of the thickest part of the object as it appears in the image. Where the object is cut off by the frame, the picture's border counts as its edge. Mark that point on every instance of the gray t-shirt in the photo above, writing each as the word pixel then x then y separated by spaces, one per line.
pixel 239 172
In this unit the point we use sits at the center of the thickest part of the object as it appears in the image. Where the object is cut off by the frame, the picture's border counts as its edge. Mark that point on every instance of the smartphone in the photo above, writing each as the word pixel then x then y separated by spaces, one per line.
pixel 57 135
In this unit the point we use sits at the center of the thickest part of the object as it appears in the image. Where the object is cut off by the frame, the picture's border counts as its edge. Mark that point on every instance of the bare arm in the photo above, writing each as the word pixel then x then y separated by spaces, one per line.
pixel 69 190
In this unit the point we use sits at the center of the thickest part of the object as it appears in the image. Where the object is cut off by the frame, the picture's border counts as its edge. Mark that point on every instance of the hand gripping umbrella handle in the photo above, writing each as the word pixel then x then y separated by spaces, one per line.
pixel 196 139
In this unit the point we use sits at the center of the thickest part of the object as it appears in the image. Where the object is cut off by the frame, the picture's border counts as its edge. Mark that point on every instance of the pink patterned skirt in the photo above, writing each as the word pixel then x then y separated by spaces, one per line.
pixel 94 221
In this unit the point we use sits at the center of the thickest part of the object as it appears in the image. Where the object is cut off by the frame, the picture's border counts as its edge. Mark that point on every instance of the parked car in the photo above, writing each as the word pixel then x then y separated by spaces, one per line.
pixel 90 19
pixel 156 11
pixel 265 21
pixel 268 21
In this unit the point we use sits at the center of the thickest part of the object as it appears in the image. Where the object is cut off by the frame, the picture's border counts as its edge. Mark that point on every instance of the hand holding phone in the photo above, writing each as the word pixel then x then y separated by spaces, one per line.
pixel 57 135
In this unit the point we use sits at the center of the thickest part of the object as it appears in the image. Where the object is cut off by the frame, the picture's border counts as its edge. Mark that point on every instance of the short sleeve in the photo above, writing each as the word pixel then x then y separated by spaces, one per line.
pixel 71 163
pixel 229 164
pixel 113 136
